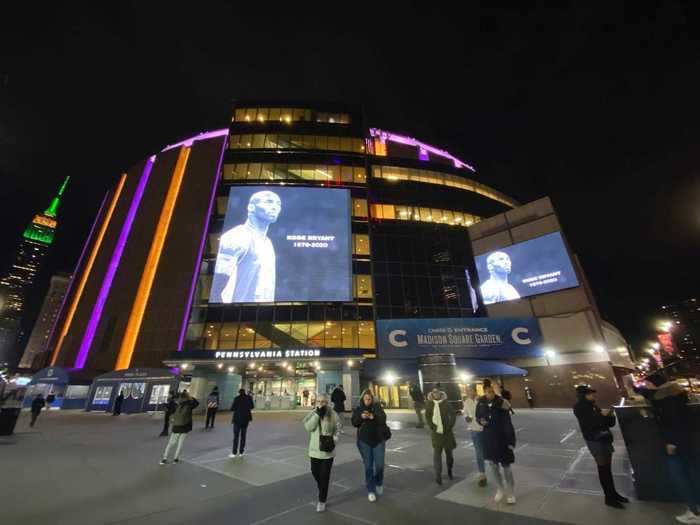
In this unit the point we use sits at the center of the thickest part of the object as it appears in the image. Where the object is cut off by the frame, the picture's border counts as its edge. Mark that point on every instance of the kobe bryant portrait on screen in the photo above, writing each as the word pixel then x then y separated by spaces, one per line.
pixel 497 288
pixel 245 264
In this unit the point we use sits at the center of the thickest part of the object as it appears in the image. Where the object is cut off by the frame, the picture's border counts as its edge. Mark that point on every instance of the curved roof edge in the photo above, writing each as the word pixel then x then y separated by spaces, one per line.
pixel 424 148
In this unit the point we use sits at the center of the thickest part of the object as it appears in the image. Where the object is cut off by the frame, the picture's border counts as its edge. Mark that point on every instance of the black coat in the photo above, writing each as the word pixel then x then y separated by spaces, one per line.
pixel 182 417
pixel 499 434
pixel 594 425
pixel 417 395
pixel 241 408
pixel 447 439
pixel 670 404
pixel 38 404
pixel 338 399
pixel 369 431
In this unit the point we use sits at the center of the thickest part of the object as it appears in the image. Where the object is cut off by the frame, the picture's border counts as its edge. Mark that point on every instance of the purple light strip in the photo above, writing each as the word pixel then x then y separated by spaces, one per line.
pixel 198 263
pixel 202 136
pixel 75 272
pixel 410 141
pixel 113 265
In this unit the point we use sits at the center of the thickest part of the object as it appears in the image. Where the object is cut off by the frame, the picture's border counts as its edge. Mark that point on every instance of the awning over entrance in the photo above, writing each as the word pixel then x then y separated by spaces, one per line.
pixel 488 368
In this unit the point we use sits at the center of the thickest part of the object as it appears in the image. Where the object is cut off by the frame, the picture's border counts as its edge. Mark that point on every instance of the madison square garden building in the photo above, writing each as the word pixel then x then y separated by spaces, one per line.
pixel 299 249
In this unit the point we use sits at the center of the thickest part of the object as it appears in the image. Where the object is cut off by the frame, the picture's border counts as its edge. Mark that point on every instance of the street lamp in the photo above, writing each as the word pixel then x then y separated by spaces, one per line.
pixel 549 354
pixel 390 378
pixel 466 377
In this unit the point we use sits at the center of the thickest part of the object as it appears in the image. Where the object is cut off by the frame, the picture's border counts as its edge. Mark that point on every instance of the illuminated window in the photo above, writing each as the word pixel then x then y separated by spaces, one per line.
pixel 366 334
pixel 395 173
pixel 312 142
pixel 246 336
pixel 359 208
pixel 350 337
pixel 360 244
pixel 362 286
pixel 312 172
pixel 409 213
pixel 316 334
pixel 227 337
pixel 211 336
pixel 359 175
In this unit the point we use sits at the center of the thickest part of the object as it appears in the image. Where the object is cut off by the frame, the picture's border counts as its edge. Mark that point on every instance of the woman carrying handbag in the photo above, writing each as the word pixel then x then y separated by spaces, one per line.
pixel 322 425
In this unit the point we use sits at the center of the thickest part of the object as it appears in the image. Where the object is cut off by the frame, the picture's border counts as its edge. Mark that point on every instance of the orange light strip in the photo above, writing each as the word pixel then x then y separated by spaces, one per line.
pixel 133 327
pixel 88 269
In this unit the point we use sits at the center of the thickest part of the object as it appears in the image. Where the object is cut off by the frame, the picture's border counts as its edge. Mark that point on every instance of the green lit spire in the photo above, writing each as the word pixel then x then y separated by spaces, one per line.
pixel 56 201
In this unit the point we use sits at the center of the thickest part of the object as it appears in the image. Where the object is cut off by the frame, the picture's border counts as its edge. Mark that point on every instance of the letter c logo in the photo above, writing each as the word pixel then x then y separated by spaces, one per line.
pixel 515 334
pixel 393 338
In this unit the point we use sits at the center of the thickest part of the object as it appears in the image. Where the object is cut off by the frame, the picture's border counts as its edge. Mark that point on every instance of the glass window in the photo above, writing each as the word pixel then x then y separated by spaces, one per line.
pixel 250 114
pixel 271 141
pixel 298 114
pixel 334 173
pixel 239 115
pixel 366 334
pixel 298 332
pixel 388 211
pixel 194 334
pixel 221 203
pixel 346 144
pixel 316 334
pixel 377 211
pixel 344 118
pixel 333 143
pixel 349 334
pixel 286 114
pixel 297 142
pixel 322 117
pixel 262 114
pixel 254 169
pixel 211 336
pixel 361 244
pixel 321 142
pixel 346 174
pixel 363 286
pixel 274 114
pixel 358 145
pixel 213 243
pixel 227 338
pixel 359 208
pixel 246 336
pixel 262 341
pixel 205 285
pixel 258 141
pixel 235 141
pixel 309 142
pixel 246 141
pixel 307 115
pixel 333 334
pixel 359 175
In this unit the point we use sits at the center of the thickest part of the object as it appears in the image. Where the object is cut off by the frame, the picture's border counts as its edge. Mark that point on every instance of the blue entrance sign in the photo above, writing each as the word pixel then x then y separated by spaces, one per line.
pixel 476 337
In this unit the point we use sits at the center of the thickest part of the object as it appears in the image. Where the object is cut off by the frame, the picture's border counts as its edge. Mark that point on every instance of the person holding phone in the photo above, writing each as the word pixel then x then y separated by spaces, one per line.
pixel 372 432
pixel 477 432
pixel 321 424
pixel 595 426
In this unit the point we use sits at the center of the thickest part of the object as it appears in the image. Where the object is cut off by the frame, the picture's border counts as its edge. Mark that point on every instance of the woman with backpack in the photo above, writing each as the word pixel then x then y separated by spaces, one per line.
pixel 372 433
pixel 182 424
pixel 322 425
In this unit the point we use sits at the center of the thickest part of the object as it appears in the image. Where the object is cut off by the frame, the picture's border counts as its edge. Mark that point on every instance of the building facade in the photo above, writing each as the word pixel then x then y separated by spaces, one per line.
pixel 16 283
pixel 264 254
pixel 34 355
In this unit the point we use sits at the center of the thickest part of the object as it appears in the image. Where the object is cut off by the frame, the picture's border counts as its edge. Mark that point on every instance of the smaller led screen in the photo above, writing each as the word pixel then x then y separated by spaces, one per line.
pixel 533 267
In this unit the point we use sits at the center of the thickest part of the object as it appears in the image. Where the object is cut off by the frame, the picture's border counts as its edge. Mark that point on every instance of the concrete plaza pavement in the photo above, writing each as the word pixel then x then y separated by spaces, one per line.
pixel 90 468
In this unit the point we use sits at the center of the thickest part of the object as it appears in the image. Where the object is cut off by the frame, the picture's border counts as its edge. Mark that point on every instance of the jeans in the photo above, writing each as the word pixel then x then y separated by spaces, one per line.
pixel 175 440
pixel 338 422
pixel 321 471
pixel 373 459
pixel 437 461
pixel 166 425
pixel 239 431
pixel 211 416
pixel 507 472
pixel 686 477
pixel 478 440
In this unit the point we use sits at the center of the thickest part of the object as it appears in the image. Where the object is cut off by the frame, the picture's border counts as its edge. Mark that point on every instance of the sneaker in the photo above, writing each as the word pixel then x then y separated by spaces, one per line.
pixel 510 500
pixel 165 462
pixel 499 496
pixel 688 517
pixel 621 498
pixel 614 503
pixel 320 507
pixel 372 497
pixel 380 490
pixel 176 461
pixel 241 453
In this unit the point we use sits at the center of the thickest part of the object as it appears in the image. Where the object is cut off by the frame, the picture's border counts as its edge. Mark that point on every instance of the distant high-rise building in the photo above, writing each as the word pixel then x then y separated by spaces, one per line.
pixel 684 318
pixel 41 332
pixel 15 284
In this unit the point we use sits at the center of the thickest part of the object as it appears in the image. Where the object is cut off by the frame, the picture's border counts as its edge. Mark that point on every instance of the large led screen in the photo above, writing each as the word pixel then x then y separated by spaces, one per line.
pixel 533 267
pixel 284 244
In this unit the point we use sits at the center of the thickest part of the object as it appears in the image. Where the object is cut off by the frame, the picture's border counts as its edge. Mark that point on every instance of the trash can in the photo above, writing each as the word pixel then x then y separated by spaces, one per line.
pixel 8 420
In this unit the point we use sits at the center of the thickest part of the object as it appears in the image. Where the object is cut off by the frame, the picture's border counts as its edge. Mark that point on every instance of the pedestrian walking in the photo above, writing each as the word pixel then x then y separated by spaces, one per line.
pixel 212 407
pixel 372 432
pixel 169 410
pixel 441 418
pixel 182 425
pixel 670 402
pixel 493 413
pixel 476 431
pixel 38 404
pixel 321 424
pixel 242 416
pixel 118 404
pixel 595 424
pixel 305 398
pixel 418 403
pixel 338 399
pixel 530 396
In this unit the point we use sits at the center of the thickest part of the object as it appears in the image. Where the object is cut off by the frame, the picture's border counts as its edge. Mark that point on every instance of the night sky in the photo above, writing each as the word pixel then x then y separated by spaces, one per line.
pixel 596 108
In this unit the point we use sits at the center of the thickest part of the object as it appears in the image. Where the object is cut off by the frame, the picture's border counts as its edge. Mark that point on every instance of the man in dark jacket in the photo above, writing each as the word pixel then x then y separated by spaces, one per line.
pixel 338 399
pixel 182 424
pixel 212 407
pixel 441 418
pixel 37 404
pixel 418 403
pixel 169 410
pixel 670 402
pixel 493 413
pixel 118 404
pixel 595 427
pixel 242 416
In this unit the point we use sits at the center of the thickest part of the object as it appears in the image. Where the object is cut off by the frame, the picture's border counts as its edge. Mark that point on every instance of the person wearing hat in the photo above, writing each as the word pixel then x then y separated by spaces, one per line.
pixel 670 402
pixel 595 426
